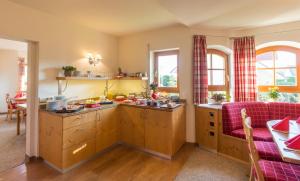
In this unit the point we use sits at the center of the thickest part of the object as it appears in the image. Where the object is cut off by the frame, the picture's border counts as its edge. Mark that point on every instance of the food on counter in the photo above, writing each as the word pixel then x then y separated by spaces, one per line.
pixel 92 105
pixel 127 101
pixel 90 101
pixel 69 109
pixel 120 98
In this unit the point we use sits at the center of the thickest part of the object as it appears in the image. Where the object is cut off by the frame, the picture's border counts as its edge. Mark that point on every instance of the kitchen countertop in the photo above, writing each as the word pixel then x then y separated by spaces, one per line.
pixel 82 111
pixel 86 110
pixel 152 107
pixel 210 106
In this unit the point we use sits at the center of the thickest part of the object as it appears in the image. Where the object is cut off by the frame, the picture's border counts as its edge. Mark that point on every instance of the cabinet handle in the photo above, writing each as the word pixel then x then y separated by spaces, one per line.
pixel 211 133
pixel 211 114
pixel 212 124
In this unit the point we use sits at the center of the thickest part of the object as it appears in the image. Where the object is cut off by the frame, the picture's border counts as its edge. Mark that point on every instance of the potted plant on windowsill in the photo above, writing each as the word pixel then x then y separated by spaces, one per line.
pixel 218 98
pixel 68 70
pixel 274 93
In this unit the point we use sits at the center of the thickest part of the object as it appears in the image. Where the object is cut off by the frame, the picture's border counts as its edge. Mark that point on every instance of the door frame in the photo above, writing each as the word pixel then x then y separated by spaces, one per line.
pixel 32 126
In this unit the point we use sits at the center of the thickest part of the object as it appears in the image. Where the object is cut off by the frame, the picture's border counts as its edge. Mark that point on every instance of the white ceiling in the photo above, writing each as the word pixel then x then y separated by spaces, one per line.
pixel 127 16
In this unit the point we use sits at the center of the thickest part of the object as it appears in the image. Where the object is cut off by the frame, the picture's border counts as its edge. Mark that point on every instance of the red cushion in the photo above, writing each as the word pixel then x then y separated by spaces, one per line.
pixel 279 110
pixel 267 150
pixel 14 106
pixel 259 134
pixel 279 171
pixel 231 115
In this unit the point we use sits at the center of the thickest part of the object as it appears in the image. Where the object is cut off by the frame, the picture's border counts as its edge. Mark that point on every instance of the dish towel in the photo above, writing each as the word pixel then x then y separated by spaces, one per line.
pixel 283 125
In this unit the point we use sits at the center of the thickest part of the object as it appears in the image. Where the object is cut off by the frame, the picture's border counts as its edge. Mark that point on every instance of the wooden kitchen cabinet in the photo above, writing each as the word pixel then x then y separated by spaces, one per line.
pixel 65 141
pixel 68 139
pixel 165 131
pixel 206 120
pixel 133 126
pixel 108 128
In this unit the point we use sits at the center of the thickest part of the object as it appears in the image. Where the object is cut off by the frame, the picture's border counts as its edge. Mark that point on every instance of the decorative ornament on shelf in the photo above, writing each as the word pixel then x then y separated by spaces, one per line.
pixel 274 93
pixel 218 98
pixel 68 70
pixel 94 59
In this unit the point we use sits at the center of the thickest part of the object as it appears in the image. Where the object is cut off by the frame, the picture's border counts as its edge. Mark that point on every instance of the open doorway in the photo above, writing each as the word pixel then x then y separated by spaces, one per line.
pixel 13 102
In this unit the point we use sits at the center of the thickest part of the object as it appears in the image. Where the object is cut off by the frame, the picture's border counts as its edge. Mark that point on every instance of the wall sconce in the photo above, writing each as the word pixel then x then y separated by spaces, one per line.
pixel 94 59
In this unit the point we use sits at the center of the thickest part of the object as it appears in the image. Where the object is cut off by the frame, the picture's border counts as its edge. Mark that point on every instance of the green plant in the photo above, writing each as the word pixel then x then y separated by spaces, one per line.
pixel 218 97
pixel 274 93
pixel 153 86
pixel 69 68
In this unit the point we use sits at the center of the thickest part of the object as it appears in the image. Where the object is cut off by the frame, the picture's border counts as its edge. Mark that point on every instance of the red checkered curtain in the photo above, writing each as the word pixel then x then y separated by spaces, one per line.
pixel 200 79
pixel 244 69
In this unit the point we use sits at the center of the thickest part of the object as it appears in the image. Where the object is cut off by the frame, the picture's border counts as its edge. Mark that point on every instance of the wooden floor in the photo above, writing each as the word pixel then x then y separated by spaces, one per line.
pixel 120 163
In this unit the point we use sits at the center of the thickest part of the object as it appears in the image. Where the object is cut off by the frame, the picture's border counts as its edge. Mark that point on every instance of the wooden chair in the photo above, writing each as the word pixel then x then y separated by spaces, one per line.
pixel 265 169
pixel 11 107
pixel 253 155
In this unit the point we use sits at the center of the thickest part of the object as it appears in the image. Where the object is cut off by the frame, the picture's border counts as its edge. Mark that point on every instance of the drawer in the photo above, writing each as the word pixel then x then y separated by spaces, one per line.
pixel 78 134
pixel 78 153
pixel 77 120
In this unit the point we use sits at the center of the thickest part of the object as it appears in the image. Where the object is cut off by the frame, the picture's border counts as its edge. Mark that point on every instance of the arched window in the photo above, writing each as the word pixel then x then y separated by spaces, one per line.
pixel 218 71
pixel 279 66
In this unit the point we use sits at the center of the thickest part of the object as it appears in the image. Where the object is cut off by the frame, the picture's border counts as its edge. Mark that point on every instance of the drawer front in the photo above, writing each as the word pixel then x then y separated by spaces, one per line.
pixel 72 121
pixel 78 134
pixel 77 120
pixel 78 153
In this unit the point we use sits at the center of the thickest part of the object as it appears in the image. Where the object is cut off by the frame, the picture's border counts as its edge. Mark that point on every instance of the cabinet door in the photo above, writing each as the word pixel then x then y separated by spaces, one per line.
pixel 158 131
pixel 107 128
pixel 133 126
pixel 207 127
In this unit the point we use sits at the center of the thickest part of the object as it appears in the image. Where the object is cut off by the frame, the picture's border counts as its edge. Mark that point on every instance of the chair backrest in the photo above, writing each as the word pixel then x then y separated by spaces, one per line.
pixel 8 101
pixel 254 157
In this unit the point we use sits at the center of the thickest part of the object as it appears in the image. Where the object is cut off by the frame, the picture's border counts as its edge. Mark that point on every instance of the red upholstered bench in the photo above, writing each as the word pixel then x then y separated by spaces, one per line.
pixel 260 113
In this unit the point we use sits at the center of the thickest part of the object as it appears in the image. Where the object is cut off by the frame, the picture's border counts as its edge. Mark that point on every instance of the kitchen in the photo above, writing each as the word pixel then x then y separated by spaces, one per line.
pixel 149 121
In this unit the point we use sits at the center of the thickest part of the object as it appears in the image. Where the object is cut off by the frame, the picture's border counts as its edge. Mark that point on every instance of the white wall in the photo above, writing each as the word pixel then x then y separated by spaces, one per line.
pixel 60 43
pixel 133 57
pixel 279 34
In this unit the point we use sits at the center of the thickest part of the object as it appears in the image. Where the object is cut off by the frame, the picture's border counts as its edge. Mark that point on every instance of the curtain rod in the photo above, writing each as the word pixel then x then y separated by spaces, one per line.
pixel 257 34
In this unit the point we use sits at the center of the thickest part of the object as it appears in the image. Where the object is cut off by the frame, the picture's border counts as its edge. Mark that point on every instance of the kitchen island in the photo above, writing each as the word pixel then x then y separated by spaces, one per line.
pixel 69 139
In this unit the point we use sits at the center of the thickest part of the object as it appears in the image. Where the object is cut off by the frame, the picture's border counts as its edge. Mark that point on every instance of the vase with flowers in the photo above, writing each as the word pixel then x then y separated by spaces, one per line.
pixel 274 93
pixel 153 90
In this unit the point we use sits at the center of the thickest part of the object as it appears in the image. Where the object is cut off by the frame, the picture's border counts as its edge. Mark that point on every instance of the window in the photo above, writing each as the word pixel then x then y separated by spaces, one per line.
pixel 166 70
pixel 218 73
pixel 278 66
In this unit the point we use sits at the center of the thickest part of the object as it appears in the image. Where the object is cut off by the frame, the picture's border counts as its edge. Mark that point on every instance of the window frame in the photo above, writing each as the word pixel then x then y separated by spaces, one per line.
pixel 166 53
pixel 225 87
pixel 288 89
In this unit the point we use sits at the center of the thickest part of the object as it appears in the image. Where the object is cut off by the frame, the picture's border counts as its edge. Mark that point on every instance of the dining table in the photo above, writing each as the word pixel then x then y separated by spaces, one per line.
pixel 287 154
pixel 20 108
